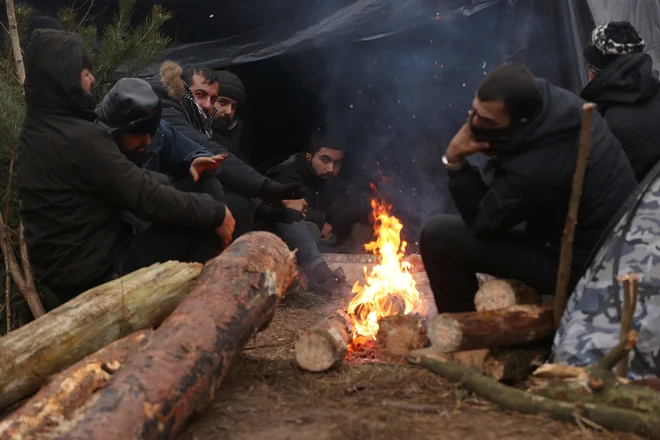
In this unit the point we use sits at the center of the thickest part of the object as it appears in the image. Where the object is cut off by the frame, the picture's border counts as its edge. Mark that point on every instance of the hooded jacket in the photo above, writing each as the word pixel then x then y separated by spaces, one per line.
pixel 532 178
pixel 170 89
pixel 75 185
pixel 626 92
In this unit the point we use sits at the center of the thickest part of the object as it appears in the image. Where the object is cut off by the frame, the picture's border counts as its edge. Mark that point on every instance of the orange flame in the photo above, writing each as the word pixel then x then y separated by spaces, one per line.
pixel 390 288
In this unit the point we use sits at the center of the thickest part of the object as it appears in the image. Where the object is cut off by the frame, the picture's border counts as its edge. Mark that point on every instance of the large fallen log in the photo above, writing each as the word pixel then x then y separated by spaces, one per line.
pixel 518 400
pixel 67 391
pixel 189 356
pixel 398 335
pixel 325 344
pixel 501 294
pixel 514 326
pixel 29 355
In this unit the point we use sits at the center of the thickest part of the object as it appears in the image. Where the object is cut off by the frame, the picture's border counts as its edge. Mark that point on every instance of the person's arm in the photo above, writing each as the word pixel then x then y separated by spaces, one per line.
pixel 102 166
pixel 178 151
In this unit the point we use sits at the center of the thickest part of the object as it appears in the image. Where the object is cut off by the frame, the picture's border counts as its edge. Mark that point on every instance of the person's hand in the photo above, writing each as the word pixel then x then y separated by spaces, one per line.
pixel 416 263
pixel 464 145
pixel 226 229
pixel 299 205
pixel 202 165
pixel 276 213
pixel 273 192
pixel 326 232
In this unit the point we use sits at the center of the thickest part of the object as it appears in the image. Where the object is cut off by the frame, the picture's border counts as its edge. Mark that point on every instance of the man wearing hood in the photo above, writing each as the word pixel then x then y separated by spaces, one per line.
pixel 530 129
pixel 75 185
pixel 188 97
pixel 625 87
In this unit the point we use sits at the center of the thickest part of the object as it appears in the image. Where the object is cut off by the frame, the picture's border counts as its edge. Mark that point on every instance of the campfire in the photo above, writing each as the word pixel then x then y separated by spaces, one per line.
pixel 389 288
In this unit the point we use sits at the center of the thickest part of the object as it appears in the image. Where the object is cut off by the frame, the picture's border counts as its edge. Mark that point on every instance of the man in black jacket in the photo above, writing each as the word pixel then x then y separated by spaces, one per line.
pixel 531 130
pixel 75 184
pixel 227 124
pixel 626 89
pixel 188 98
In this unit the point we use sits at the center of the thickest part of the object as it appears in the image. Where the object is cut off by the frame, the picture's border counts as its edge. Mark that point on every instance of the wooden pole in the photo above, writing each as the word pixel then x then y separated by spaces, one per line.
pixel 566 252
pixel 630 288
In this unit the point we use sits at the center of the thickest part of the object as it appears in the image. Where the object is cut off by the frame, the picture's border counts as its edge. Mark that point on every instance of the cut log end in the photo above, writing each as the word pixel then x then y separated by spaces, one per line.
pixel 398 335
pixel 501 294
pixel 323 346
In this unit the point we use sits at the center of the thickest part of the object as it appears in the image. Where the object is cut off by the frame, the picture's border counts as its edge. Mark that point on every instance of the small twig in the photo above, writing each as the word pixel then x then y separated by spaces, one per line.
pixel 630 286
pixel 91 4
pixel 612 358
pixel 8 295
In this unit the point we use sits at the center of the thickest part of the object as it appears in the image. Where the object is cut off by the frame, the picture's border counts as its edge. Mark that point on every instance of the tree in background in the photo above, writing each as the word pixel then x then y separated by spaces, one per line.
pixel 117 50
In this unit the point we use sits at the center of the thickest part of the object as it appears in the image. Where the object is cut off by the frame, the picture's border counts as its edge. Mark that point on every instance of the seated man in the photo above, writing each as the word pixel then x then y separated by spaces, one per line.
pixel 531 130
pixel 227 124
pixel 75 185
pixel 188 98
pixel 313 169
pixel 623 84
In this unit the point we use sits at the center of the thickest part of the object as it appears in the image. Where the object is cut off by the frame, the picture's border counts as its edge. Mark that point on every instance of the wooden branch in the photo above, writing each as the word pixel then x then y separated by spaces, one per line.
pixel 398 335
pixel 29 355
pixel 630 290
pixel 566 252
pixel 15 41
pixel 619 352
pixel 7 295
pixel 325 344
pixel 503 364
pixel 500 294
pixel 515 326
pixel 31 295
pixel 190 354
pixel 69 390
pixel 521 401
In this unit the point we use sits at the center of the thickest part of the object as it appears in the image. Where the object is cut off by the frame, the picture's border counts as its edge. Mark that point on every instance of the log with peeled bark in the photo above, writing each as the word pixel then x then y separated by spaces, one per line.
pixel 67 391
pixel 325 344
pixel 398 335
pixel 501 294
pixel 189 355
pixel 142 299
pixel 514 326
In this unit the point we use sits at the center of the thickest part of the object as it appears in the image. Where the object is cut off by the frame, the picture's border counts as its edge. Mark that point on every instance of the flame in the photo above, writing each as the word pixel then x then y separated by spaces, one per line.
pixel 390 288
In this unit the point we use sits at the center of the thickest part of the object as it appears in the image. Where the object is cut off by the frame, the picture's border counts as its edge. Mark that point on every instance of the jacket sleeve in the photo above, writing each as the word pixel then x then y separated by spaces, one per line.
pixel 178 151
pixel 233 172
pixel 624 130
pixel 495 209
pixel 102 166
pixel 313 215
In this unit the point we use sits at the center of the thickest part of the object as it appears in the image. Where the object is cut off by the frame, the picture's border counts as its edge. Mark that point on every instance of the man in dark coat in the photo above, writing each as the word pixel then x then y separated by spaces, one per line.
pixel 227 124
pixel 626 89
pixel 75 185
pixel 530 129
pixel 188 98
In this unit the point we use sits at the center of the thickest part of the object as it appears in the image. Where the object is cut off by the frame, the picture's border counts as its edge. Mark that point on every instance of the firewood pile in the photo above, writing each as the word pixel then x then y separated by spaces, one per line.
pixel 100 371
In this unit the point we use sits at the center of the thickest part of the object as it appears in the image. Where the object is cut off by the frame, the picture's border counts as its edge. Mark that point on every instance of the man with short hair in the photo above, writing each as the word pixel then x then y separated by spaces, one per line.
pixel 530 129
pixel 624 85
pixel 75 185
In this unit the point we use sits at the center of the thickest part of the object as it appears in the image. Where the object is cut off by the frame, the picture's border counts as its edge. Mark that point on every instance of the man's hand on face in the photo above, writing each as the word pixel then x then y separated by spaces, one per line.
pixel 464 145
pixel 299 205
pixel 202 165
pixel 226 229
pixel 326 232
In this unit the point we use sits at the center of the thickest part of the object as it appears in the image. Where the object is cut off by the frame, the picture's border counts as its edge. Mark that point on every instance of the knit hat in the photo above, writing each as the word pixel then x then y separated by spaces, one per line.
pixel 231 86
pixel 610 41
pixel 131 106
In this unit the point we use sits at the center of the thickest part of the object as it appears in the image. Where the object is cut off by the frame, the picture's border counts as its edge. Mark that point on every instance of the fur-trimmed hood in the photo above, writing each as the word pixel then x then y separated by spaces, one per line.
pixel 170 78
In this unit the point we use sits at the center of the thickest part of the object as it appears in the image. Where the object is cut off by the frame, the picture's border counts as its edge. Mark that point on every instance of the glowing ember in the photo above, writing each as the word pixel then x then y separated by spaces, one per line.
pixel 390 288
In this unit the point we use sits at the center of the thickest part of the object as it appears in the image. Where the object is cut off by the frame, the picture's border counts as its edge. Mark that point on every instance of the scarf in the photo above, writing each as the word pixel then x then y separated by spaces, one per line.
pixel 198 118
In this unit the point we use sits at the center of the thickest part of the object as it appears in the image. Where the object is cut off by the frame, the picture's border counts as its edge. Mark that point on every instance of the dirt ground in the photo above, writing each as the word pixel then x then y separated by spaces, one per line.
pixel 266 396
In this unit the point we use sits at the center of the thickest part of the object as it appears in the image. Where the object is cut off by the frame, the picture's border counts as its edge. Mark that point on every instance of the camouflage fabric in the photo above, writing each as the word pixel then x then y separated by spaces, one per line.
pixel 590 326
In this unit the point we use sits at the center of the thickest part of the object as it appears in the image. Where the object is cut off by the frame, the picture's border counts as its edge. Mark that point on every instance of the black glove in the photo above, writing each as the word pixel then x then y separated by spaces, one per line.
pixel 272 191
pixel 273 214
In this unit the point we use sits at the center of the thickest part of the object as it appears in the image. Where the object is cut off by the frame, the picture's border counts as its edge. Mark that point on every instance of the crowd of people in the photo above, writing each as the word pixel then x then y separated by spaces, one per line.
pixel 154 172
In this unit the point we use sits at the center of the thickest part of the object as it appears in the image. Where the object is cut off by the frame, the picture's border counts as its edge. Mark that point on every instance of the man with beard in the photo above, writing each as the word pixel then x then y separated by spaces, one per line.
pixel 75 185
pixel 313 170
pixel 625 87
pixel 530 129
pixel 227 125
pixel 188 98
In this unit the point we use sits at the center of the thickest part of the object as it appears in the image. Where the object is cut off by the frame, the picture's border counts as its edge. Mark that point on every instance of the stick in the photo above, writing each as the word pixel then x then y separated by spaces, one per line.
pixel 15 41
pixel 31 295
pixel 630 287
pixel 619 352
pixel 566 253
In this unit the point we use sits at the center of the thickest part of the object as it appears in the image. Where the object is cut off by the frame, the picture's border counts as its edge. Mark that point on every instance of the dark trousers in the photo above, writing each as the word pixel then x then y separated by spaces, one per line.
pixel 242 208
pixel 453 255
pixel 305 237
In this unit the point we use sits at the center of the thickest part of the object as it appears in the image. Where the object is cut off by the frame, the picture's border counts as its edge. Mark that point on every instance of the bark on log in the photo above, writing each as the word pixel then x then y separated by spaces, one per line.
pixel 398 335
pixel 521 401
pixel 325 344
pixel 69 390
pixel 504 364
pixel 29 355
pixel 501 294
pixel 190 354
pixel 515 326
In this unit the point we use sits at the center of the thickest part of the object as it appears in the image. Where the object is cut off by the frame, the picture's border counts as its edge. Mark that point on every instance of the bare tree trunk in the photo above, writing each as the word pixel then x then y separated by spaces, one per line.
pixel 15 41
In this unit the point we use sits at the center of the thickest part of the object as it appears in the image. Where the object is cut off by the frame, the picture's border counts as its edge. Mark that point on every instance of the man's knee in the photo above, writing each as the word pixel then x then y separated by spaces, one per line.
pixel 443 233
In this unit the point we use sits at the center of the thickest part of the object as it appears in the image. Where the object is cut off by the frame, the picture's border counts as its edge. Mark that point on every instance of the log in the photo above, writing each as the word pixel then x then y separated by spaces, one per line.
pixel 89 322
pixel 501 294
pixel 517 325
pixel 58 400
pixel 503 364
pixel 325 344
pixel 190 354
pixel 398 335
pixel 510 398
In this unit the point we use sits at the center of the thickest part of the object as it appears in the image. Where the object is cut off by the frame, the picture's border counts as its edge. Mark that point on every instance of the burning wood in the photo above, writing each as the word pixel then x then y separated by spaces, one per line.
pixel 398 335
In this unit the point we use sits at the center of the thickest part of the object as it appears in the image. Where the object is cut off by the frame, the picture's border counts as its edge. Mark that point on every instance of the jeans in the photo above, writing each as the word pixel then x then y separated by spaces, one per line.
pixel 305 237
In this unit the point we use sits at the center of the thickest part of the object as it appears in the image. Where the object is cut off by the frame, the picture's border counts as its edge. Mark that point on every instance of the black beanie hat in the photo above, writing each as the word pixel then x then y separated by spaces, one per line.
pixel 610 41
pixel 131 106
pixel 231 86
